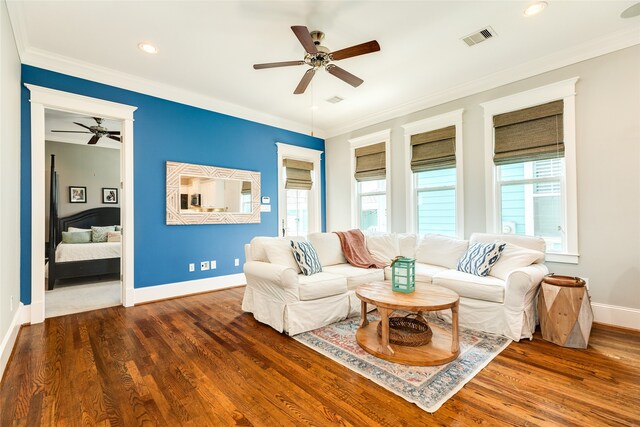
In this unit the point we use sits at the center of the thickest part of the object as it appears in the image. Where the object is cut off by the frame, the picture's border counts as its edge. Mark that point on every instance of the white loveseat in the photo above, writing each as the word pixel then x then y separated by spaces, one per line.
pixel 502 302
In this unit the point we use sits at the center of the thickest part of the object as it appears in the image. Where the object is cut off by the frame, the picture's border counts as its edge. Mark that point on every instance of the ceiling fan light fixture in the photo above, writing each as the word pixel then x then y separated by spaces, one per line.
pixel 148 48
pixel 535 8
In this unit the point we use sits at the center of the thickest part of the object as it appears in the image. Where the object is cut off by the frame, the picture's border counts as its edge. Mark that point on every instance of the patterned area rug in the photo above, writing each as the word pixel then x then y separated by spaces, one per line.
pixel 428 387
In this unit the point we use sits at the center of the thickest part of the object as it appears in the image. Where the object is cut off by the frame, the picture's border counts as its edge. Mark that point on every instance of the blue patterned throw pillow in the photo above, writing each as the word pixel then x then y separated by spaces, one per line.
pixel 306 257
pixel 480 257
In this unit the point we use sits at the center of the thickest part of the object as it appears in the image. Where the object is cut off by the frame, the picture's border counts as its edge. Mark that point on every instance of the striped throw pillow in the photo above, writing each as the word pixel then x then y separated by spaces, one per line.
pixel 480 257
pixel 306 257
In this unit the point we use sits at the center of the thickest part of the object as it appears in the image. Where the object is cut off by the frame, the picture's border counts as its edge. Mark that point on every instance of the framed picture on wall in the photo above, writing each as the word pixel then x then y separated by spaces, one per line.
pixel 110 195
pixel 77 194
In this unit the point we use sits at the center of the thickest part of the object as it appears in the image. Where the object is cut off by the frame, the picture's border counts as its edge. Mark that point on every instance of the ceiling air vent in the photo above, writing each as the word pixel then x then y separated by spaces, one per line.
pixel 335 99
pixel 479 36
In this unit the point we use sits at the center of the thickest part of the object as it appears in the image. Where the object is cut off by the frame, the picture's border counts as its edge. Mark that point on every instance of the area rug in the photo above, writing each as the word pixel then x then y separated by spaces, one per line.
pixel 428 387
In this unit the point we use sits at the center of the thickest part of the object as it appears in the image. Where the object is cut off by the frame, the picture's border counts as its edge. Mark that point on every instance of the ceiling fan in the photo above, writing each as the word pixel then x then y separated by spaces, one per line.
pixel 319 56
pixel 98 131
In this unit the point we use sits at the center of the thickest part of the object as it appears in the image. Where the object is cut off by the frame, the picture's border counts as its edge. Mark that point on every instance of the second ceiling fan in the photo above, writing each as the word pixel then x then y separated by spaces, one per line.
pixel 319 56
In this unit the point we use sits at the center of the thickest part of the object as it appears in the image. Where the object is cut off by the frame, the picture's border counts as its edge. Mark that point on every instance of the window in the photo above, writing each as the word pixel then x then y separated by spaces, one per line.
pixel 530 163
pixel 531 200
pixel 434 156
pixel 299 189
pixel 370 191
pixel 372 205
pixel 436 201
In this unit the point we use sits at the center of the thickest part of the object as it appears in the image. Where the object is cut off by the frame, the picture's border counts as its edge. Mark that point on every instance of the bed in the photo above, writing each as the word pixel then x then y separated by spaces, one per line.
pixel 68 261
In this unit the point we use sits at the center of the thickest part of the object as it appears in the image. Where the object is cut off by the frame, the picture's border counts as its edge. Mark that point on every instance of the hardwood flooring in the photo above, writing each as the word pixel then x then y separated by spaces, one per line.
pixel 200 361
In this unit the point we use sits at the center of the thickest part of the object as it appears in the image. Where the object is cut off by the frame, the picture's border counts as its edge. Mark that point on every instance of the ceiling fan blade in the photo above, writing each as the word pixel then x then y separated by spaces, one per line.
pixel 84 126
pixel 113 132
pixel 276 64
pixel 302 33
pixel 306 79
pixel 94 140
pixel 71 131
pixel 117 138
pixel 344 75
pixel 356 50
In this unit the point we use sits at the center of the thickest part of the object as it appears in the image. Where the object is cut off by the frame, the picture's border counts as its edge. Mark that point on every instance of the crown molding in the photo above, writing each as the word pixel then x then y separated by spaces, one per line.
pixel 615 41
pixel 84 70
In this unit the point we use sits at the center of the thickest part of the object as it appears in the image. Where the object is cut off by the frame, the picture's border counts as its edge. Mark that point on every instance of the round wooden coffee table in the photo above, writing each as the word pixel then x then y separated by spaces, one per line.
pixel 444 346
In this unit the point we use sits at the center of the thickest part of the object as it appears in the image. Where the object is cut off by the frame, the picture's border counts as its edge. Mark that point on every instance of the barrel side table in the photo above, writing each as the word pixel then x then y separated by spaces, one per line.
pixel 565 313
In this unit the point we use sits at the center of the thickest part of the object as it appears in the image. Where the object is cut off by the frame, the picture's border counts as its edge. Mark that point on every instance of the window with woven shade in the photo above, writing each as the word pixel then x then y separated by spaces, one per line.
pixel 433 150
pixel 298 174
pixel 371 162
pixel 530 134
pixel 433 163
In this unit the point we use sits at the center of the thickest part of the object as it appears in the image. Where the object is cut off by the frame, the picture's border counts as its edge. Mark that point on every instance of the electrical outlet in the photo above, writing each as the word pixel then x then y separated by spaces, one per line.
pixel 236 262
pixel 192 267
pixel 213 264
pixel 204 265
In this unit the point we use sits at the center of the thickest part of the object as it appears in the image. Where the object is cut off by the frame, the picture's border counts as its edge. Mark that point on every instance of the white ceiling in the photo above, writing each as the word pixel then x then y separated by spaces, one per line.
pixel 207 49
pixel 62 120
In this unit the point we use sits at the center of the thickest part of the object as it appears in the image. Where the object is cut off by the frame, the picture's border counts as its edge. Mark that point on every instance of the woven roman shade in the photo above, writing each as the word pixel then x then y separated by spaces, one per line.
pixel 371 162
pixel 534 133
pixel 246 187
pixel 433 150
pixel 298 174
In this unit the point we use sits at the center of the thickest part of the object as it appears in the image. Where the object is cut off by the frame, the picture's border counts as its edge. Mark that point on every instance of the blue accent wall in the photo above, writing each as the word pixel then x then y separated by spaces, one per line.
pixel 165 130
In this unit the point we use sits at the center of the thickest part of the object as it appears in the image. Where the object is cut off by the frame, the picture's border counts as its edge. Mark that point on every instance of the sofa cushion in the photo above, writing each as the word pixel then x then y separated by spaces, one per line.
pixel 306 257
pixel 469 286
pixel 407 245
pixel 279 251
pixel 480 257
pixel 321 285
pixel 529 242
pixel 258 252
pixel 356 276
pixel 327 245
pixel 383 247
pixel 440 250
pixel 512 258
pixel 424 272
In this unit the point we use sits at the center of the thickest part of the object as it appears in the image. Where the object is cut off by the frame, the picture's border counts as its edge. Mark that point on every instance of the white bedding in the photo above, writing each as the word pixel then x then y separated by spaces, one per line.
pixel 86 251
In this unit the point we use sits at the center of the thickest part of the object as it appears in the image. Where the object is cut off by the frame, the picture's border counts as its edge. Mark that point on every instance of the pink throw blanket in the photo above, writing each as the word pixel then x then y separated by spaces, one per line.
pixel 355 250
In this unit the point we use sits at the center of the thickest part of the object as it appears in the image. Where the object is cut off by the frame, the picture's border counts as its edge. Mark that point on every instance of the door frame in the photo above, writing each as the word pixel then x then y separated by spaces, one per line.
pixel 42 98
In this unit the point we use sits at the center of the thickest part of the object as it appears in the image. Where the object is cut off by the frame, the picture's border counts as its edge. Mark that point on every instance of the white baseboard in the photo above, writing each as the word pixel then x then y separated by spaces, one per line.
pixel 20 317
pixel 172 290
pixel 616 315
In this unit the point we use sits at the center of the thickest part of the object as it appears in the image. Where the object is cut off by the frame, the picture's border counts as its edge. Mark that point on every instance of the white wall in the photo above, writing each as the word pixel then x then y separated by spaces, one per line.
pixel 9 186
pixel 608 161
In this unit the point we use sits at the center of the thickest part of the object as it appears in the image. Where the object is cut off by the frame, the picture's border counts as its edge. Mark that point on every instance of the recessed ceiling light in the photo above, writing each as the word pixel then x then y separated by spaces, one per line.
pixel 148 48
pixel 631 11
pixel 535 8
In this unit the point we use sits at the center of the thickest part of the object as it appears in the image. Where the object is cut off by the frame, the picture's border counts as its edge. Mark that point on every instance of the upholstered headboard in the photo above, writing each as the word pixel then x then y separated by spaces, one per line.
pixel 85 219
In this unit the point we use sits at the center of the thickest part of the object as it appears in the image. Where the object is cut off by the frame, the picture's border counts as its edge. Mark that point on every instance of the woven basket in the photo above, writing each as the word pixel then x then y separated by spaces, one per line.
pixel 407 331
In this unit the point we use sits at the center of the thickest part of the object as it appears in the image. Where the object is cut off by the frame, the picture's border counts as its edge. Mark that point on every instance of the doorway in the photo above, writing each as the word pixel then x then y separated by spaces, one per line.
pixel 41 99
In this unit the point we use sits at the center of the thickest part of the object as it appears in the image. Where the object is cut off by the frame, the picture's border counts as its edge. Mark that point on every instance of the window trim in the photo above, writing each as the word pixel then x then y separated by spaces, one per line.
pixel 564 90
pixel 363 141
pixel 452 118
pixel 315 206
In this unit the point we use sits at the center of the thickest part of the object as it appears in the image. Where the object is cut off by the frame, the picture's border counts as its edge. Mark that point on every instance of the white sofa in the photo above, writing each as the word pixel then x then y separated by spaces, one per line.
pixel 501 303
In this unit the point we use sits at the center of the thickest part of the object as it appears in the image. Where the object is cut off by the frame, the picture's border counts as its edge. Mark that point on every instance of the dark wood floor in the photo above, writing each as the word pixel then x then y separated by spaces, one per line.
pixel 201 361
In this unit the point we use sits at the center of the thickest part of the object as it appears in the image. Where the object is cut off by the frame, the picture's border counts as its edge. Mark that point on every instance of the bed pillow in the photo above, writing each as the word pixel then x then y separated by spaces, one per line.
pixel 99 234
pixel 480 257
pixel 76 236
pixel 306 257
pixel 118 227
pixel 114 236
pixel 78 229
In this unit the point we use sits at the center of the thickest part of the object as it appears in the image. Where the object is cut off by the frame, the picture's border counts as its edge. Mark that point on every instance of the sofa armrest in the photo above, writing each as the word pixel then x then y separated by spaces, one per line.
pixel 522 284
pixel 277 280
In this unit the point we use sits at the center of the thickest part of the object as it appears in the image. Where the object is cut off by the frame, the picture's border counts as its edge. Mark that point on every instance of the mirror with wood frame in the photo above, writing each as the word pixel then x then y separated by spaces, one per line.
pixel 199 194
